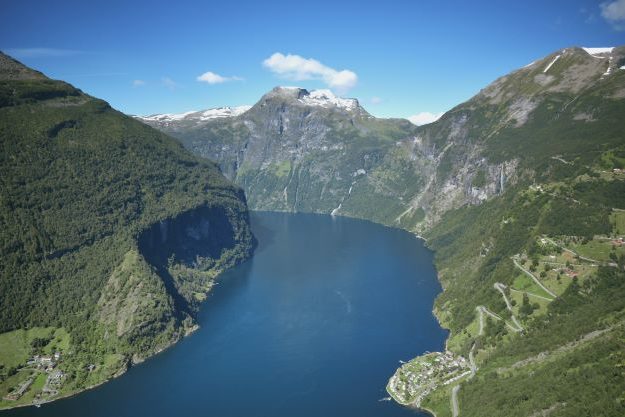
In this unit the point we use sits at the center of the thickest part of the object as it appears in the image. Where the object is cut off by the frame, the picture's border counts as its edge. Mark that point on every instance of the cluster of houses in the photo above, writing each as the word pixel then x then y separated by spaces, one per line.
pixel 619 241
pixel 46 364
pixel 53 383
pixel 416 379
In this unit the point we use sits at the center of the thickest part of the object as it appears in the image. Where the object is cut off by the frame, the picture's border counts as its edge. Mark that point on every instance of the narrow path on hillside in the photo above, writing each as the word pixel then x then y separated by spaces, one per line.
pixel 398 218
pixel 454 401
pixel 501 288
pixel 455 409
pixel 483 309
pixel 553 242
pixel 481 317
pixel 472 361
pixel 531 294
pixel 542 356
pixel 547 290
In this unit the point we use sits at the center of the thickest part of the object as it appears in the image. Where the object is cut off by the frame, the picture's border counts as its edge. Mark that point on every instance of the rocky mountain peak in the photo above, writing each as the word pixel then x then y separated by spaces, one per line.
pixel 570 70
pixel 316 98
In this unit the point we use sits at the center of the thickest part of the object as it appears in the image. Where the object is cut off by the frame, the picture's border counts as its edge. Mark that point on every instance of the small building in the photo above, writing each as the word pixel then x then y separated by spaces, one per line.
pixel 570 273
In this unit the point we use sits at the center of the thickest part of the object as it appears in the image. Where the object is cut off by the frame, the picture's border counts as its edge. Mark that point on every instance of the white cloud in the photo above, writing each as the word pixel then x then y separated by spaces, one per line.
pixel 376 100
pixel 424 118
pixel 138 83
pixel 614 13
pixel 212 78
pixel 41 52
pixel 169 83
pixel 297 68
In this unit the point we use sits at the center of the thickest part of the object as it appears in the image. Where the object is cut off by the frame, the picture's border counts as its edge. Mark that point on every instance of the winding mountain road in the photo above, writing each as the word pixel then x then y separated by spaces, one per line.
pixel 530 294
pixel 501 288
pixel 547 290
pixel 483 310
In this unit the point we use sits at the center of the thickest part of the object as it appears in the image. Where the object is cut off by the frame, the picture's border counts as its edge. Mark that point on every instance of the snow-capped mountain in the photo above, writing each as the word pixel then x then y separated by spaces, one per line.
pixel 194 117
pixel 316 98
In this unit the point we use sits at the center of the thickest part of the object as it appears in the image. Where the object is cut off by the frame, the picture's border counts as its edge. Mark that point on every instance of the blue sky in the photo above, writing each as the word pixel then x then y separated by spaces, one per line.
pixel 399 58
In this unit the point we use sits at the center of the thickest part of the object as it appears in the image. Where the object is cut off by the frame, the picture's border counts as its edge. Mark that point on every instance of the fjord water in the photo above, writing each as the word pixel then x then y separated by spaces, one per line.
pixel 313 325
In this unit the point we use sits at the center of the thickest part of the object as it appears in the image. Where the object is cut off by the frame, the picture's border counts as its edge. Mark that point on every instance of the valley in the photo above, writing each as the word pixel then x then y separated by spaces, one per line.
pixel 519 191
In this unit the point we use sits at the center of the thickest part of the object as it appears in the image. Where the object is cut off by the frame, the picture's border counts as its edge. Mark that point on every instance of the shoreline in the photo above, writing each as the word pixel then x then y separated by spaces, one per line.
pixel 131 362
pixel 119 373
pixel 434 309
pixel 411 405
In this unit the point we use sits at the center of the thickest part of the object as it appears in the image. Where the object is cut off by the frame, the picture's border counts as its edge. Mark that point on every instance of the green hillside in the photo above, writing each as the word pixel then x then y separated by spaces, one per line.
pixel 558 349
pixel 81 187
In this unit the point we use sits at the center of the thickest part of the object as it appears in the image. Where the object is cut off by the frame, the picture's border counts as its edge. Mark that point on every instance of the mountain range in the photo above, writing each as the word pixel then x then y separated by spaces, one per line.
pixel 520 192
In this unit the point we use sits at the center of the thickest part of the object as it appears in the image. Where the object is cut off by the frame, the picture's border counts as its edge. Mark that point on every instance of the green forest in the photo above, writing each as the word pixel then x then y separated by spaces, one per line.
pixel 80 183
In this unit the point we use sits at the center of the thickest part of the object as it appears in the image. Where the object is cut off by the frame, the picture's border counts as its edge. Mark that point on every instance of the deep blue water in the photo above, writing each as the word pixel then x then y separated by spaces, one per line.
pixel 313 325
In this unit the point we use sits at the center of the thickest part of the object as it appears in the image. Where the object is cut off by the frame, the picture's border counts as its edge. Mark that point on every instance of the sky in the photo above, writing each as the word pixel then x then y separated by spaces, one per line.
pixel 409 58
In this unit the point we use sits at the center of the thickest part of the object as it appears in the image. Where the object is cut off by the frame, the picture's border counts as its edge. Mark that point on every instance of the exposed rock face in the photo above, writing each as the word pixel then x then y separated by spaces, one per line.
pixel 311 151
pixel 135 300
pixel 203 233
pixel 296 150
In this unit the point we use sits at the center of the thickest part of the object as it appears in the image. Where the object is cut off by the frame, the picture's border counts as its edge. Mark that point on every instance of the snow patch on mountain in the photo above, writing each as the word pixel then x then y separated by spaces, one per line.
pixel 325 98
pixel 551 63
pixel 598 51
pixel 200 116
pixel 224 112
pixel 167 116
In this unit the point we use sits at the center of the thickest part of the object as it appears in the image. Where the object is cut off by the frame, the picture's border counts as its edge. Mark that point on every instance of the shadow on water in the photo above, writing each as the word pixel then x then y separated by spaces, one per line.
pixel 265 236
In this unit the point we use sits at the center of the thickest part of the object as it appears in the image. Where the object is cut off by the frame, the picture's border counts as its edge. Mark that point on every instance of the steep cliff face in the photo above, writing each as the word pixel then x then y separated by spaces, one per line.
pixel 154 293
pixel 297 150
pixel 189 250
pixel 135 303
pixel 194 238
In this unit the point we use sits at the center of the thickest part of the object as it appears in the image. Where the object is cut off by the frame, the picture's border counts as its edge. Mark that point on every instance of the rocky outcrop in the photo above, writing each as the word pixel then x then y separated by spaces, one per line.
pixel 153 294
